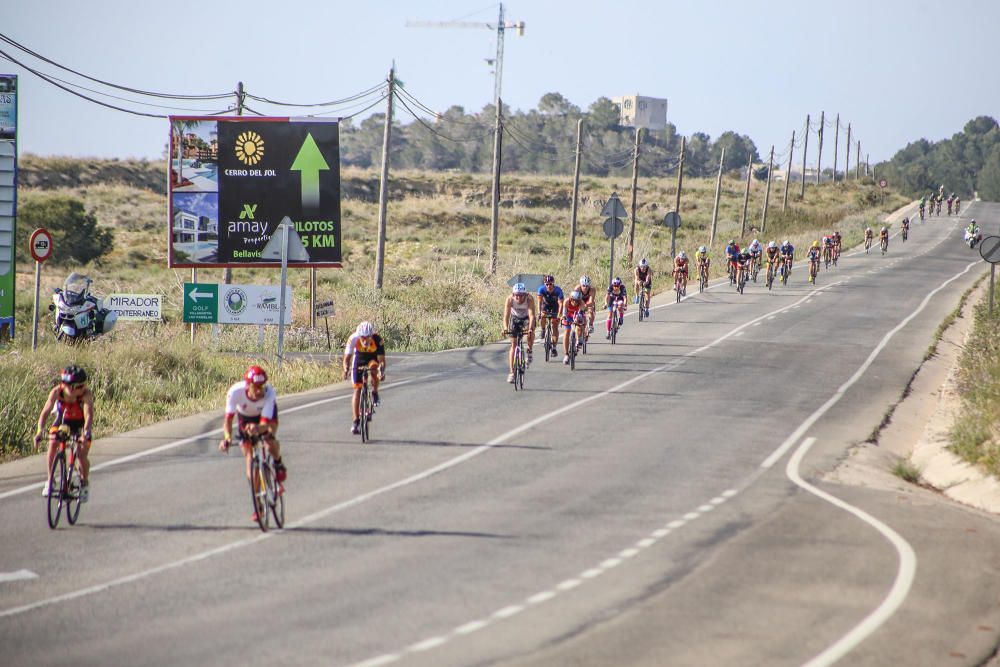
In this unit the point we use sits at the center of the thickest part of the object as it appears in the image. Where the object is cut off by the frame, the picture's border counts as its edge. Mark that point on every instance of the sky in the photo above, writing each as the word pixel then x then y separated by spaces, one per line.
pixel 897 70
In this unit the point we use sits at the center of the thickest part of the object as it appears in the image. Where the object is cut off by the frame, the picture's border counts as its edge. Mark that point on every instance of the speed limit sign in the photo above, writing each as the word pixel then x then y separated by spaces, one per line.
pixel 41 244
pixel 883 183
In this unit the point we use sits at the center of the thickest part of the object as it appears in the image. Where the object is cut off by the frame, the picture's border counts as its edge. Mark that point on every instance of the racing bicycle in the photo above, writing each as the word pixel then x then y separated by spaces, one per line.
pixel 67 481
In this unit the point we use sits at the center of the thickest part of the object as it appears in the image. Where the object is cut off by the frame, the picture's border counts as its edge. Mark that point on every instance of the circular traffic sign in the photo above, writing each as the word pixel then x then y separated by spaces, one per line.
pixel 989 249
pixel 672 220
pixel 40 244
pixel 883 183
pixel 613 228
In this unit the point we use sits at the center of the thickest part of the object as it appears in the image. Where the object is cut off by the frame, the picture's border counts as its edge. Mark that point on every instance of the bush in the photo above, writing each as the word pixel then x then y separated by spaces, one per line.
pixel 76 237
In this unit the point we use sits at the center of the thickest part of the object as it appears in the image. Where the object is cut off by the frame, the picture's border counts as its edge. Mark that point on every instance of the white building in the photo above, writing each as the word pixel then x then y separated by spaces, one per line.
pixel 638 111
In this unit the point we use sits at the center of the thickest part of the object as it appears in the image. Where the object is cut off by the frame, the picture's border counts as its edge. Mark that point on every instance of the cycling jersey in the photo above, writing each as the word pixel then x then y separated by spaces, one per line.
pixel 69 414
pixel 264 409
pixel 732 251
pixel 642 275
pixel 587 292
pixel 788 250
pixel 754 249
pixel 620 295
pixel 701 257
pixel 772 254
pixel 813 254
pixel 571 310
pixel 549 301
pixel 681 265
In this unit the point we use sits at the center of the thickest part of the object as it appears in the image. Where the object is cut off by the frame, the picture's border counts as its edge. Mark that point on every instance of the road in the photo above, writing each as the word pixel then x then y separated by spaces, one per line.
pixel 663 504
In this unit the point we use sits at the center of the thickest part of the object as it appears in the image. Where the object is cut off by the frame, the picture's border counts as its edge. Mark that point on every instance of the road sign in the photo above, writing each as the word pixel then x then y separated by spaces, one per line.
pixel 325 309
pixel 532 281
pixel 613 228
pixel 201 302
pixel 883 183
pixel 672 220
pixel 136 307
pixel 989 249
pixel 41 244
pixel 614 208
pixel 296 251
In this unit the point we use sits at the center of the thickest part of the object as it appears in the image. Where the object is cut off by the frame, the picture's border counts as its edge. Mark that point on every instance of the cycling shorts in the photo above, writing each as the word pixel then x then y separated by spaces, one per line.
pixel 517 325
pixel 579 317
pixel 244 420
pixel 371 365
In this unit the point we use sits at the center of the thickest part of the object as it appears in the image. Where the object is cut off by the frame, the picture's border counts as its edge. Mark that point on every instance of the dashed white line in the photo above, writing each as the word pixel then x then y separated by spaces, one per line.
pixel 427 644
pixel 691 516
pixel 645 543
pixel 660 533
pixel 610 563
pixel 507 612
pixel 568 585
pixel 706 508
pixel 591 573
pixel 676 523
pixel 539 598
pixel 729 493
pixel 628 553
pixel 473 626
pixel 718 500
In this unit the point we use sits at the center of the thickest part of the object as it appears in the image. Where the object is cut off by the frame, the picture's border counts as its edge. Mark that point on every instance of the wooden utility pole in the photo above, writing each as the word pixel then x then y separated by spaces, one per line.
pixel 857 163
pixel 836 138
pixel 576 191
pixel 677 204
pixel 383 186
pixel 746 198
pixel 495 211
pixel 819 153
pixel 635 189
pixel 227 273
pixel 868 164
pixel 805 148
pixel 718 194
pixel 847 156
pixel 767 191
pixel 788 175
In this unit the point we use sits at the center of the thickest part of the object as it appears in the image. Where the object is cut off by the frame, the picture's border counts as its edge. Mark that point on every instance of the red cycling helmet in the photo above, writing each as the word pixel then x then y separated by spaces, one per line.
pixel 255 375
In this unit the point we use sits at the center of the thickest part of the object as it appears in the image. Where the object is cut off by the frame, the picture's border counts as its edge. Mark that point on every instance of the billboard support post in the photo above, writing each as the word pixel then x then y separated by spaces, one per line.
pixel 281 298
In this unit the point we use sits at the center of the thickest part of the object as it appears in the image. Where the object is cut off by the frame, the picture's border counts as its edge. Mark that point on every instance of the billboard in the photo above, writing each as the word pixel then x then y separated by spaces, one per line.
pixel 232 180
pixel 8 200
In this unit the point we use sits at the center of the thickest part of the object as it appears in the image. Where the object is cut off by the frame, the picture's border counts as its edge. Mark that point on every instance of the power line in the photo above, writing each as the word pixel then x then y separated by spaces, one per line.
pixel 363 94
pixel 436 132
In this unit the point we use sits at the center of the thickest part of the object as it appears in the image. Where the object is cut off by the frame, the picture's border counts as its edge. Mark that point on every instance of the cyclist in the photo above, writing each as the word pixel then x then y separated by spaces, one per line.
pixel 814 257
pixel 838 244
pixel 589 295
pixel 681 270
pixel 950 200
pixel 255 403
pixel 550 301
pixel 703 261
pixel 958 205
pixel 772 254
pixel 519 312
pixel 364 349
pixel 756 250
pixel 828 247
pixel 643 285
pixel 787 256
pixel 74 405
pixel 869 236
pixel 883 236
pixel 732 257
pixel 906 226
pixel 573 314
pixel 616 298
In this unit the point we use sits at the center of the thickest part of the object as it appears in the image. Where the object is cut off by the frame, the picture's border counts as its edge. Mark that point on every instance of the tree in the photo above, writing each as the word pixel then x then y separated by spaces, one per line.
pixel 739 149
pixel 554 104
pixel 603 114
pixel 76 236
pixel 988 182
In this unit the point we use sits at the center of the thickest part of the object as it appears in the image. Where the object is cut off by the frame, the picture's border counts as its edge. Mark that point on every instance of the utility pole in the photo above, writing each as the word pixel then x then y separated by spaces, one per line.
pixel 788 175
pixel 857 163
pixel 227 273
pixel 805 148
pixel 819 154
pixel 576 191
pixel 383 186
pixel 718 194
pixel 746 198
pixel 836 139
pixel 868 164
pixel 495 198
pixel 847 156
pixel 767 191
pixel 635 187
pixel 677 204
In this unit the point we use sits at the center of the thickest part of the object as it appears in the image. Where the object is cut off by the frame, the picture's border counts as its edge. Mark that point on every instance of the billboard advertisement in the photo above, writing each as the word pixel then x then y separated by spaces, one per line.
pixel 8 200
pixel 232 180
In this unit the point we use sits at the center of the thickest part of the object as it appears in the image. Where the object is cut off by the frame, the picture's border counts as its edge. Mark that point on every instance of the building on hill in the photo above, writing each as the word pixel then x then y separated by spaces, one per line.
pixel 639 111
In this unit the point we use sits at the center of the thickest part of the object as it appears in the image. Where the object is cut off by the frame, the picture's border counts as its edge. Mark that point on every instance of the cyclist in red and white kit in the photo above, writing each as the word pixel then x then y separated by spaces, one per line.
pixel 255 403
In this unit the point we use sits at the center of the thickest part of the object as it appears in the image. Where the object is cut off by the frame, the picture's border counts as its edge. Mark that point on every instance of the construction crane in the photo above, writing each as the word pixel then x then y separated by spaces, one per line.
pixel 500 26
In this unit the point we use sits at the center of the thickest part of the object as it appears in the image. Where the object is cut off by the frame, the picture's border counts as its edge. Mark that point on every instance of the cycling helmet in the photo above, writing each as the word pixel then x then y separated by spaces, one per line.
pixel 616 282
pixel 643 263
pixel 702 249
pixel 256 376
pixel 73 374
pixel 869 229
pixel 815 244
pixel 884 228
pixel 972 222
pixel 772 244
pixel 519 288
pixel 585 281
pixel 732 241
pixel 576 295
pixel 755 242
pixel 365 329
pixel 787 242
pixel 550 280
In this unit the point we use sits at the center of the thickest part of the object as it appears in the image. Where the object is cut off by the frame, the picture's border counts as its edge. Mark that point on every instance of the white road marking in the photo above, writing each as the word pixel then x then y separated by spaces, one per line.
pixel 729 493
pixel 660 533
pixel 610 563
pixel 591 573
pixel 468 628
pixel 900 587
pixel 676 523
pixel 628 553
pixel 645 543
pixel 718 500
pixel 539 598
pixel 386 659
pixel 507 612
pixel 691 516
pixel 706 508
pixel 19 575
pixel 568 585
pixel 427 644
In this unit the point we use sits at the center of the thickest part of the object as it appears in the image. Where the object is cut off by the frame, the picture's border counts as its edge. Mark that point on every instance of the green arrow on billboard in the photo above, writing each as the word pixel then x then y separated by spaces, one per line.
pixel 310 162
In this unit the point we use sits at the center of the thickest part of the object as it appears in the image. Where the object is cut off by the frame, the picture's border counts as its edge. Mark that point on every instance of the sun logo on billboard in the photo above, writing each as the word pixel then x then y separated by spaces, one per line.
pixel 249 148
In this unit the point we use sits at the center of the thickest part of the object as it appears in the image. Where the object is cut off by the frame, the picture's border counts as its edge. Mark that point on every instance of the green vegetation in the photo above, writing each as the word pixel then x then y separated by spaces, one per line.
pixel 976 434
pixel 906 471
pixel 967 162
pixel 74 231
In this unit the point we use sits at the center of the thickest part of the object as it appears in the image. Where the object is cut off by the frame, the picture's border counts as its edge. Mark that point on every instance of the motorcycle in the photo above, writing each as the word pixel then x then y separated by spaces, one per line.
pixel 972 238
pixel 79 314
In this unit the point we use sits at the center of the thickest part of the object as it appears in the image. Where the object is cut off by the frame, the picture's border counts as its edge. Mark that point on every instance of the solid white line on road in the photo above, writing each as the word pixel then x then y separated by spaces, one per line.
pixel 19 575
pixel 822 410
pixel 900 587
pixel 186 441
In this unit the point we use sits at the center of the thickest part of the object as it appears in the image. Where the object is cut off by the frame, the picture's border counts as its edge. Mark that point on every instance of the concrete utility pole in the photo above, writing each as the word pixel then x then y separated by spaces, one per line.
pixel 227 273
pixel 746 198
pixel 495 196
pixel 635 188
pixel 847 156
pixel 718 194
pixel 836 139
pixel 576 191
pixel 767 191
pixel 788 176
pixel 383 186
pixel 819 153
pixel 805 149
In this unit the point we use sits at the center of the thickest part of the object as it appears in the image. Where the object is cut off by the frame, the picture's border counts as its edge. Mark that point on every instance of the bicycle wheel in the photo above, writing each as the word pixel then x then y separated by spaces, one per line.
pixel 276 500
pixel 58 489
pixel 583 343
pixel 517 365
pixel 519 378
pixel 572 351
pixel 258 493
pixel 548 340
pixel 642 309
pixel 614 329
pixel 365 410
pixel 74 485
pixel 677 291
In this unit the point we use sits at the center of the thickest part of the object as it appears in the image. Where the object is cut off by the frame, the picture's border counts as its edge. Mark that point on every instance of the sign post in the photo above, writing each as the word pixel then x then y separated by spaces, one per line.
pixel 325 310
pixel 673 221
pixel 285 229
pixel 613 227
pixel 41 249
pixel 989 249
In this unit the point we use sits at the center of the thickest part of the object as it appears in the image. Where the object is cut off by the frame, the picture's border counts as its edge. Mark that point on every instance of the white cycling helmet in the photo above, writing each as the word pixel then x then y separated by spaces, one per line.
pixel 772 244
pixel 576 295
pixel 643 263
pixel 682 255
pixel 365 329
pixel 755 242
pixel 585 281
pixel 519 288
pixel 787 242
pixel 702 249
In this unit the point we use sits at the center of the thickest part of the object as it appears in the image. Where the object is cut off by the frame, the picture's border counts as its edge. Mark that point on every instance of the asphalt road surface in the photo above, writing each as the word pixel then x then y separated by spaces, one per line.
pixel 661 505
